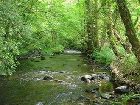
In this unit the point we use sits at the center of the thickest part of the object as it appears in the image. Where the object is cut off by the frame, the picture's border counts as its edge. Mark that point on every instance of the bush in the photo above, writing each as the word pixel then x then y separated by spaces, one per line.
pixel 55 49
pixel 105 87
pixel 104 56
pixel 8 52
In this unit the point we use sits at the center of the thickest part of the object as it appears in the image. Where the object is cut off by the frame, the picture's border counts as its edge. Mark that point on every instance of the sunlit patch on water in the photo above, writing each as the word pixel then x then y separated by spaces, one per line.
pixel 72 52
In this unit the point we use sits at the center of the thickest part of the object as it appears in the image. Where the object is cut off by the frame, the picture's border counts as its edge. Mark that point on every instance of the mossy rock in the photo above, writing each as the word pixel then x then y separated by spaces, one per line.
pixel 105 87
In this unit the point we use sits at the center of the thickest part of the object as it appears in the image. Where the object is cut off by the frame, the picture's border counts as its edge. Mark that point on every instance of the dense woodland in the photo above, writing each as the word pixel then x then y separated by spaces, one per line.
pixel 107 32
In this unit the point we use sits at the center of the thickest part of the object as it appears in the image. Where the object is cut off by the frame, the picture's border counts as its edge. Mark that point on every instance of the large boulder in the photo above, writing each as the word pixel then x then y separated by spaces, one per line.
pixel 121 89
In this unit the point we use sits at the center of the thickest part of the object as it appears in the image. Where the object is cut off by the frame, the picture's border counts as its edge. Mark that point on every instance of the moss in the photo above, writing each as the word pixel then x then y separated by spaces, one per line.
pixel 105 87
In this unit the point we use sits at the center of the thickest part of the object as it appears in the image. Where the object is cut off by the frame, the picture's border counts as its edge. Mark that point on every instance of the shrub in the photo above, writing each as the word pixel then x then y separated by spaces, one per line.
pixel 104 56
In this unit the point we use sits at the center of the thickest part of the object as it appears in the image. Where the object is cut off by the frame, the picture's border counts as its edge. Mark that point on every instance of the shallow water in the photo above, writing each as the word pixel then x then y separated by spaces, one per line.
pixel 27 87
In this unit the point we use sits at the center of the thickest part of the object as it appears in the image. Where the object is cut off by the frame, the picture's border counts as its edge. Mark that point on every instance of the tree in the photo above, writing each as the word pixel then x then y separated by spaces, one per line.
pixel 91 27
pixel 130 31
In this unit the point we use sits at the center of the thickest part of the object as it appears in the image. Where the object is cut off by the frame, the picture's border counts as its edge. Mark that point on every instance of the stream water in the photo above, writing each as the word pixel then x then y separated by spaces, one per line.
pixel 27 87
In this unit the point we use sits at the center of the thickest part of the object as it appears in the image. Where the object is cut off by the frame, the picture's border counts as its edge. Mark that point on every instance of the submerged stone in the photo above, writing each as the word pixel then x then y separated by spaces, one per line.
pixel 48 78
pixel 62 72
pixel 42 57
pixel 36 61
pixel 59 81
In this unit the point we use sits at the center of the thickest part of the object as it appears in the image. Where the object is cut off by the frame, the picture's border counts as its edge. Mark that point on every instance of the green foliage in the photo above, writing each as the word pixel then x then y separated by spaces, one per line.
pixel 11 26
pixel 105 87
pixel 104 56
pixel 55 50
pixel 121 50
pixel 126 99
pixel 53 26
pixel 130 68
pixel 36 24
pixel 129 62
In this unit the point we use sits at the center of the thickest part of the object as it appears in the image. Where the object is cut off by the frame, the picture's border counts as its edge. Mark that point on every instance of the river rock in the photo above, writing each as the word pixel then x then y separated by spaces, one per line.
pixel 47 77
pixel 86 78
pixel 62 72
pixel 59 81
pixel 104 76
pixel 94 77
pixel 81 104
pixel 40 103
pixel 121 89
pixel 106 95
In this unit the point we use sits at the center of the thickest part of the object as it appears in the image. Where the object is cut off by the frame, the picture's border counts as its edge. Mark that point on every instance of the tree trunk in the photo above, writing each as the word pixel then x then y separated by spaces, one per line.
pixel 112 43
pixel 89 26
pixel 110 32
pixel 92 25
pixel 95 25
pixel 130 31
pixel 125 44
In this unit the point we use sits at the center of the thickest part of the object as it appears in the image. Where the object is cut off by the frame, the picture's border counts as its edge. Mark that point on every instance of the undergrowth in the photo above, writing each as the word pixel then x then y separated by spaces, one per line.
pixel 104 56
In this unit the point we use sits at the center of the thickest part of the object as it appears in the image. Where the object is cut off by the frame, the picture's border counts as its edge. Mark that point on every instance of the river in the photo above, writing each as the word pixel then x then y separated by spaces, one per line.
pixel 27 87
